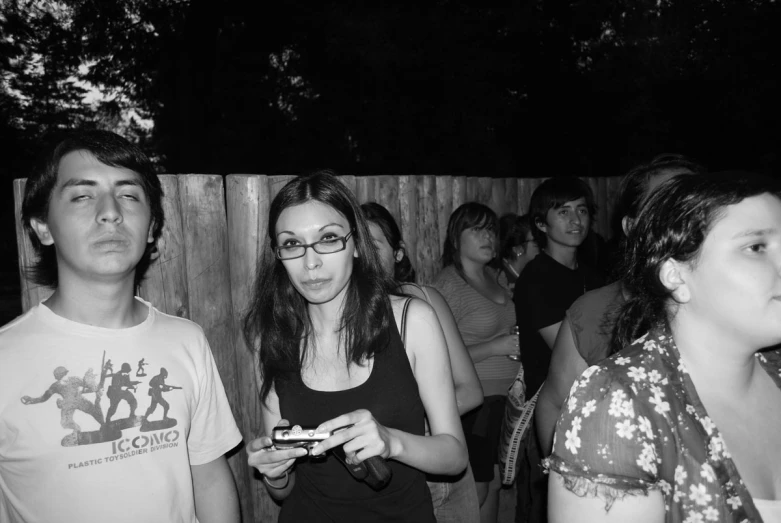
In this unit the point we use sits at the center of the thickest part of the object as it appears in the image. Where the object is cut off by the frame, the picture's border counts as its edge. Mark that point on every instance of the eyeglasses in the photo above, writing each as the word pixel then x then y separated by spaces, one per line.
pixel 329 246
pixel 524 242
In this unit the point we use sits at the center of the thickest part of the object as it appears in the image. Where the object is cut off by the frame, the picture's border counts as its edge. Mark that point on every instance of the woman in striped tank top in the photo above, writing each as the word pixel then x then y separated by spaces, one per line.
pixel 485 315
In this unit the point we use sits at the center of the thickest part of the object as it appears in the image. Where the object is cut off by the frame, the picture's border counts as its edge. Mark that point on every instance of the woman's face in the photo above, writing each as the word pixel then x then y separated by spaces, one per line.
pixel 318 277
pixel 477 244
pixel 735 284
pixel 385 250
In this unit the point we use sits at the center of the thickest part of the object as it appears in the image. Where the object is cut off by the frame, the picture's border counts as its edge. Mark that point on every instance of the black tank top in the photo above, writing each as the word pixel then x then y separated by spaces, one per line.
pixel 324 490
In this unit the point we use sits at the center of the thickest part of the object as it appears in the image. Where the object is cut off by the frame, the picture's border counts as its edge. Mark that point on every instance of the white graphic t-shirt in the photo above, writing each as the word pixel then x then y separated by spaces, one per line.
pixel 102 425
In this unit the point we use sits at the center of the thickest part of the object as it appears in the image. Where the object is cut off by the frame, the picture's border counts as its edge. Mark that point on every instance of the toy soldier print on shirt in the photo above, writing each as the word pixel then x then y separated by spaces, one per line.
pixel 157 387
pixel 121 391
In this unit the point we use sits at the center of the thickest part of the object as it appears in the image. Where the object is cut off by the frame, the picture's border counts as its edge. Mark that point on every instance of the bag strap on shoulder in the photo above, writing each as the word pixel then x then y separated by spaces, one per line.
pixel 404 321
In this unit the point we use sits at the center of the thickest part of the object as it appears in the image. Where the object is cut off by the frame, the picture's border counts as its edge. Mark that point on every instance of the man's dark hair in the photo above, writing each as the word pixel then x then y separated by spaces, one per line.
pixel 110 149
pixel 552 194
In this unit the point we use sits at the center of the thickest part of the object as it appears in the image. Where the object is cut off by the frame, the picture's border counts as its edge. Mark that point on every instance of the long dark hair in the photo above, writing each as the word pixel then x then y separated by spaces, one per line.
pixel 278 326
pixel 469 214
pixel 673 224
pixel 403 271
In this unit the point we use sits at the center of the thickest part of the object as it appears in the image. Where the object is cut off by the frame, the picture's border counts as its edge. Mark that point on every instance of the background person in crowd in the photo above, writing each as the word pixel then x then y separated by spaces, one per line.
pixel 94 214
pixel 323 324
pixel 561 210
pixel 454 498
pixel 485 316
pixel 584 337
pixel 682 425
pixel 516 248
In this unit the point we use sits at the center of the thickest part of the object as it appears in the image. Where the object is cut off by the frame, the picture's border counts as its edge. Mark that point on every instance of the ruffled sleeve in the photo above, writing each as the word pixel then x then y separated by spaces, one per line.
pixel 607 441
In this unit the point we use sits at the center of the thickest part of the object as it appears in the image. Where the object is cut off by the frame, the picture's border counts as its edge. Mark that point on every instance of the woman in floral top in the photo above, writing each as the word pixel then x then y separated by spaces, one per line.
pixel 683 425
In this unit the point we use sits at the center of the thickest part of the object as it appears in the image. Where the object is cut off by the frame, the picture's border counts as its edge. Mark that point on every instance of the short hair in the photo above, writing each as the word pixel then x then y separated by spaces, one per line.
pixel 278 317
pixel 109 149
pixel 403 271
pixel 673 224
pixel 552 194
pixel 513 230
pixel 468 215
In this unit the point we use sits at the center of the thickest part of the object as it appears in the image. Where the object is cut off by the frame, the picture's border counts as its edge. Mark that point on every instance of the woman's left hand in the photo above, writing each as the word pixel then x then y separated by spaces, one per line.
pixel 365 437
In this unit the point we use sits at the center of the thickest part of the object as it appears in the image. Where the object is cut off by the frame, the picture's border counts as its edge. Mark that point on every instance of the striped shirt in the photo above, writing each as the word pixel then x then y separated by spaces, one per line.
pixel 480 320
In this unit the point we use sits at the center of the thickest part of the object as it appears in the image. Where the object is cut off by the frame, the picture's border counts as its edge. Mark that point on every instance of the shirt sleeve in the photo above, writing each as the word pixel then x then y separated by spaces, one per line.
pixel 607 438
pixel 213 431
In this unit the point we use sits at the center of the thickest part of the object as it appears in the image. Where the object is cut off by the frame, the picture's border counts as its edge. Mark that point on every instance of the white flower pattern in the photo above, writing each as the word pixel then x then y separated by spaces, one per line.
pixel 644 398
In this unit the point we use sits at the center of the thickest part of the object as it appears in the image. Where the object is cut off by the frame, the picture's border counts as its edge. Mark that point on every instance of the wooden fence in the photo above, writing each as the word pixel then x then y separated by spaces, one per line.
pixel 214 232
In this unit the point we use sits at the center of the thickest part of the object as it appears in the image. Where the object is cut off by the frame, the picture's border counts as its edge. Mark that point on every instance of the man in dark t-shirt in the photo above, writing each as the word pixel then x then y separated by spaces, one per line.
pixel 543 293
pixel 560 211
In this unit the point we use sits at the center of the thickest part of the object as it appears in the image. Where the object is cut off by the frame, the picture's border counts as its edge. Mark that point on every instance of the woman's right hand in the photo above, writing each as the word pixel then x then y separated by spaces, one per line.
pixel 273 463
pixel 507 345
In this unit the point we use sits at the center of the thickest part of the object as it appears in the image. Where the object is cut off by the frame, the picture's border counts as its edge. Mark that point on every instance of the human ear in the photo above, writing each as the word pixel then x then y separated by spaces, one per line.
pixel 541 225
pixel 627 224
pixel 518 251
pixel 42 231
pixel 150 236
pixel 672 277
pixel 398 255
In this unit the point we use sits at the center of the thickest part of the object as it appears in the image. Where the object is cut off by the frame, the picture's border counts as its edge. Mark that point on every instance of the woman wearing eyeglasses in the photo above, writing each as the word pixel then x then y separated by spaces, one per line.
pixel 325 329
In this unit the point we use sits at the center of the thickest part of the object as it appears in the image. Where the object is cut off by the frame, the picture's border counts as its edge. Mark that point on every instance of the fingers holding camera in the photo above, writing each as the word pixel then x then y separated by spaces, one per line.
pixel 273 463
pixel 365 437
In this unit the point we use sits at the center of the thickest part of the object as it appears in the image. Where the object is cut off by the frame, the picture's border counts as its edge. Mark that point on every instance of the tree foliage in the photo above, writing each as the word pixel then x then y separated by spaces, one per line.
pixel 532 88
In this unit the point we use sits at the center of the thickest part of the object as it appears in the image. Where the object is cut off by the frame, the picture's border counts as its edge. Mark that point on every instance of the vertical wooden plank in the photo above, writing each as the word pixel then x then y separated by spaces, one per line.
pixel 208 279
pixel 32 294
pixel 387 195
pixel 498 201
pixel 459 191
pixel 365 189
pixel 408 208
pixel 479 190
pixel 275 183
pixel 511 202
pixel 427 249
pixel 248 204
pixel 444 207
pixel 349 181
pixel 472 189
pixel 526 188
pixel 165 285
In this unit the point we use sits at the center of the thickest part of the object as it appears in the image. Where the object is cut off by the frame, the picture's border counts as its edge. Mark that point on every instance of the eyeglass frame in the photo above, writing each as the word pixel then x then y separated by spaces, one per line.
pixel 278 249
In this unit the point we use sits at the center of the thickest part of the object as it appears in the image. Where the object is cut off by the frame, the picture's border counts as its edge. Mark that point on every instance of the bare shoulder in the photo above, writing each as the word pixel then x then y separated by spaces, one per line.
pixel 418 310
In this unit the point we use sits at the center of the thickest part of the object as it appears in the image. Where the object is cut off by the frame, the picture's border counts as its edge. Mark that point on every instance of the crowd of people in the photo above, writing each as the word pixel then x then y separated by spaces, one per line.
pixel 650 364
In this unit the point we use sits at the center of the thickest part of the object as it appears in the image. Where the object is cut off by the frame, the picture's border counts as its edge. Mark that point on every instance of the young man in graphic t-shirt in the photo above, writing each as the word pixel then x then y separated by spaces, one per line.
pixel 83 437
pixel 560 211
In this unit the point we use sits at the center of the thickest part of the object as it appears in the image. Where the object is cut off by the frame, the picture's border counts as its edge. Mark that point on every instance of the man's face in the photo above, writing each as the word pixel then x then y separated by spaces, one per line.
pixel 99 221
pixel 567 225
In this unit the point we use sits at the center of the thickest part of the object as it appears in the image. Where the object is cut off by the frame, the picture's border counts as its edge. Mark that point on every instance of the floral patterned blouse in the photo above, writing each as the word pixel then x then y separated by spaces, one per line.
pixel 635 423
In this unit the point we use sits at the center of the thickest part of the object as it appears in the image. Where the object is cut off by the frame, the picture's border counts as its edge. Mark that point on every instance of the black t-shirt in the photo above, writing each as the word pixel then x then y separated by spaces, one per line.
pixel 543 293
